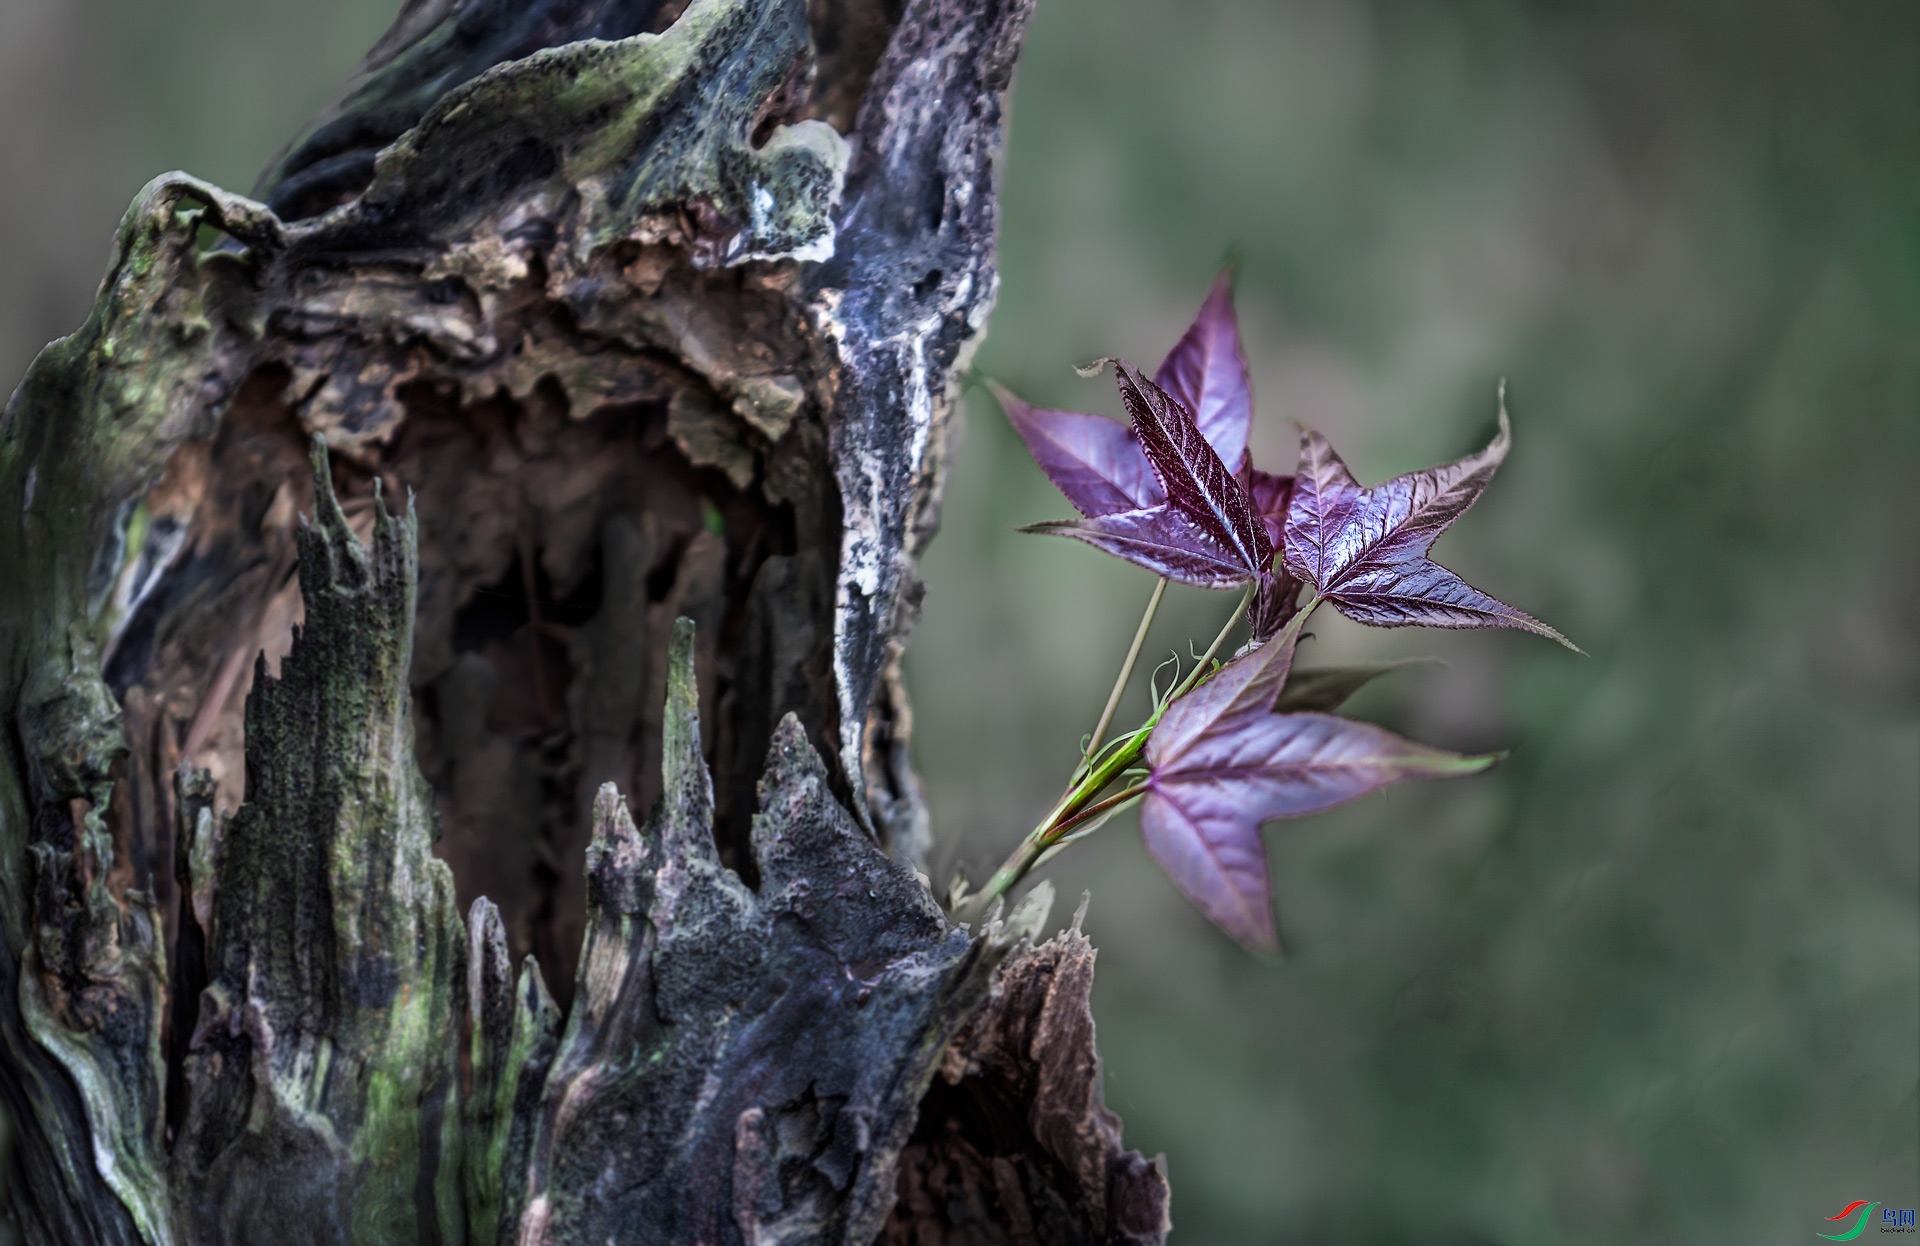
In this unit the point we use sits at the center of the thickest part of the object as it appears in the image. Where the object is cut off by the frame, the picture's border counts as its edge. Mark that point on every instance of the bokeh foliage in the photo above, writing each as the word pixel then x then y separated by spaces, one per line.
pixel 1657 977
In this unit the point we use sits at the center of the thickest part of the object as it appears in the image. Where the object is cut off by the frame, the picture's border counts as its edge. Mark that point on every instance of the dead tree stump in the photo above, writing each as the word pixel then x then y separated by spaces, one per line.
pixel 553 433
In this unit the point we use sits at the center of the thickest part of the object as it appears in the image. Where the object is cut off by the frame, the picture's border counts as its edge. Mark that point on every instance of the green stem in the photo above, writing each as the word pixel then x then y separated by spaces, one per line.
pixel 1007 877
pixel 1064 811
pixel 1126 673
pixel 1123 757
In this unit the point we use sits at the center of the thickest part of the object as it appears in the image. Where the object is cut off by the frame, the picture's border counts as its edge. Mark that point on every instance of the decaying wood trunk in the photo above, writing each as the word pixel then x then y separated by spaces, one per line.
pixel 552 437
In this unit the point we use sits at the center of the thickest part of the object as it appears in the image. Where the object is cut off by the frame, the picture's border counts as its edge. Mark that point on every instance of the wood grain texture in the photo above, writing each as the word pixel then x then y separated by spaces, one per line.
pixel 553 434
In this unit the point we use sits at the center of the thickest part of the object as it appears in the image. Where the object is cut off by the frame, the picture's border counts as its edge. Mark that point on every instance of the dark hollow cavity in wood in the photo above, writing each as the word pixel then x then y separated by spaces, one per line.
pixel 556 547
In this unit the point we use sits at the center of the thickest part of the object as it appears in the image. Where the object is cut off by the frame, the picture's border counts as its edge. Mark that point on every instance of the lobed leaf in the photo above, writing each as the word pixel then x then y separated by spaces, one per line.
pixel 1096 462
pixel 1248 685
pixel 1223 763
pixel 1195 479
pixel 1197 414
pixel 1365 549
pixel 1163 539
pixel 1206 372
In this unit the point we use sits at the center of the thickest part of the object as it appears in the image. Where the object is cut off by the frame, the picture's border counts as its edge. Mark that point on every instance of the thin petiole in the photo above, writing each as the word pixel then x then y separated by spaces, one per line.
pixel 1090 777
pixel 1126 673
pixel 1094 810
pixel 1200 670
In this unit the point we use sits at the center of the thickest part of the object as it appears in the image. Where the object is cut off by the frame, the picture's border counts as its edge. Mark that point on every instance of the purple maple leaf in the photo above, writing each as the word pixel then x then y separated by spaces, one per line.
pixel 1095 461
pixel 1098 463
pixel 1365 550
pixel 1190 427
pixel 1206 532
pixel 1164 539
pixel 1223 762
pixel 1191 472
pixel 1207 372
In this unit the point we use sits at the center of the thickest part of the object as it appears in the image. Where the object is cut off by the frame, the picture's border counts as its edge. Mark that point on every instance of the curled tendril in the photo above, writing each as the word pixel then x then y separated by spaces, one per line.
pixel 1159 697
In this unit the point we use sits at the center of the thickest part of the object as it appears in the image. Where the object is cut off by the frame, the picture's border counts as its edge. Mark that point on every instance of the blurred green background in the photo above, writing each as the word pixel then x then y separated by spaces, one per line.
pixel 1657 977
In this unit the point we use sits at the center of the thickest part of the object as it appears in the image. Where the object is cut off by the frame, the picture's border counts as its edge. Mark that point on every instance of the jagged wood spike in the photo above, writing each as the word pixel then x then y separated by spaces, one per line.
pixel 536 1037
pixel 493 1071
pixel 513 1029
pixel 1015 1143
pixel 684 816
pixel 323 1070
pixel 721 1038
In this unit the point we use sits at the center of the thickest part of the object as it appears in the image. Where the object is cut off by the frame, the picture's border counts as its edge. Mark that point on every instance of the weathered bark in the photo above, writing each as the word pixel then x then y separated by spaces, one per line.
pixel 638 311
